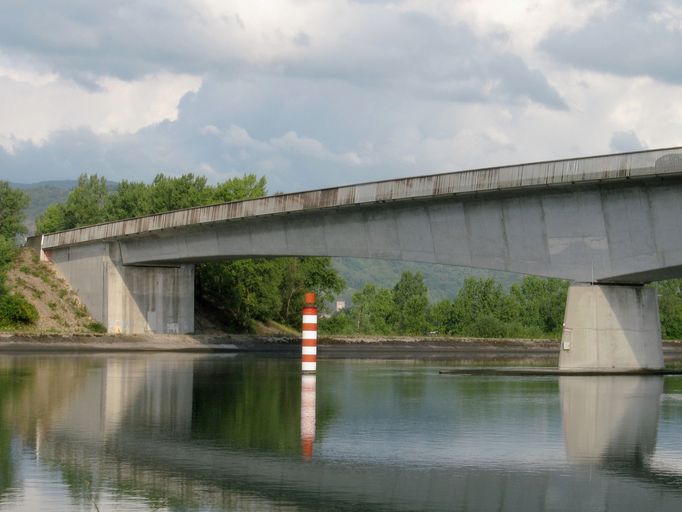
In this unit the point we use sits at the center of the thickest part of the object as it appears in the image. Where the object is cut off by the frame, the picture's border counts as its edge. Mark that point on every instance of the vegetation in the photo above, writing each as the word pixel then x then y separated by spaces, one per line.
pixel 15 310
pixel 532 308
pixel 442 281
pixel 244 290
pixel 670 308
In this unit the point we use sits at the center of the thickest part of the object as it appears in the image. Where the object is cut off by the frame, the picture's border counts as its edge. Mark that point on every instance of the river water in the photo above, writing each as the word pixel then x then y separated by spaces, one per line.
pixel 157 432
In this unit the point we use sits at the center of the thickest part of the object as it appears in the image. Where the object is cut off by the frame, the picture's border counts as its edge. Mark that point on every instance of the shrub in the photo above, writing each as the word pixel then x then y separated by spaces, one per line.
pixel 16 310
pixel 486 326
pixel 96 327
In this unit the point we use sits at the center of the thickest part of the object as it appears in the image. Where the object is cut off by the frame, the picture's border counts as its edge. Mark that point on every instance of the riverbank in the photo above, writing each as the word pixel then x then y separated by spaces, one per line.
pixel 12 342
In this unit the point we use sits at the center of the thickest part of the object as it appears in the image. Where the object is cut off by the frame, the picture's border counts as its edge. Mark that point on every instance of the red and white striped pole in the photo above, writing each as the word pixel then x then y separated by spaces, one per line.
pixel 309 335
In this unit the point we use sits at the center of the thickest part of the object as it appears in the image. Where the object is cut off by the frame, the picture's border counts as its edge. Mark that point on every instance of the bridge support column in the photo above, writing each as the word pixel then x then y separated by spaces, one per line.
pixel 128 299
pixel 611 328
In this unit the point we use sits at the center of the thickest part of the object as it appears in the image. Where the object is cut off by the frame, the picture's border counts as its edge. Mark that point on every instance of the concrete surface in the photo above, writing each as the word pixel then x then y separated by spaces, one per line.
pixel 129 299
pixel 611 328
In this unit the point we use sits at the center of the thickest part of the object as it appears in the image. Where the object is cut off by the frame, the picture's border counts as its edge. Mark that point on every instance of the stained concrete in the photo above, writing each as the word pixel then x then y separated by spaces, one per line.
pixel 611 328
pixel 129 299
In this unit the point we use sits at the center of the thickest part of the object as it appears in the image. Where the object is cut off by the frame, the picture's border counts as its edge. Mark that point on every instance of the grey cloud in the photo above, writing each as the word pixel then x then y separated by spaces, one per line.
pixel 637 38
pixel 410 52
pixel 85 40
pixel 625 141
pixel 306 148
pixel 415 53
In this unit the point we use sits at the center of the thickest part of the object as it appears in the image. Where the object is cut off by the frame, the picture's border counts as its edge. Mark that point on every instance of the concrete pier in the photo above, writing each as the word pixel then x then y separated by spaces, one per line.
pixel 129 299
pixel 611 327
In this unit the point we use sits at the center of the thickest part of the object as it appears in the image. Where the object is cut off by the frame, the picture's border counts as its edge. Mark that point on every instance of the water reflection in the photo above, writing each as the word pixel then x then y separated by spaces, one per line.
pixel 308 414
pixel 177 432
pixel 611 421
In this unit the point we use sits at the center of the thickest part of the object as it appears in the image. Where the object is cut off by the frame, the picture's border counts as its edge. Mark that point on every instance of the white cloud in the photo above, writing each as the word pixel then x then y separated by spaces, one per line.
pixel 323 93
pixel 36 105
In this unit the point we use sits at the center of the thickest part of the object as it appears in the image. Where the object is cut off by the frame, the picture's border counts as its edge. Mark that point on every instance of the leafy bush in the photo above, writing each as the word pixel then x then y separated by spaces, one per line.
pixel 16 310
pixel 96 327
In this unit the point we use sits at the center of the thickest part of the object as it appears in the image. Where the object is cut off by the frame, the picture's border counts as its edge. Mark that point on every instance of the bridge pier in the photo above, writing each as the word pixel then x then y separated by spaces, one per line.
pixel 128 299
pixel 611 328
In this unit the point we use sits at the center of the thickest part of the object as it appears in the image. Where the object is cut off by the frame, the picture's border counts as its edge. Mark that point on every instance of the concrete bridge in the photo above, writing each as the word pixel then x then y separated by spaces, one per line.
pixel 608 223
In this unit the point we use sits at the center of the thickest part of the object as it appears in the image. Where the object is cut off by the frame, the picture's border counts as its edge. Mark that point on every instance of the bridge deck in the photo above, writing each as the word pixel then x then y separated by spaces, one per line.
pixel 606 168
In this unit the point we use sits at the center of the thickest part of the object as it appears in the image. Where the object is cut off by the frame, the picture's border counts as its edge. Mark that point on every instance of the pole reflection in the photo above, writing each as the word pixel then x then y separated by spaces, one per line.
pixel 308 414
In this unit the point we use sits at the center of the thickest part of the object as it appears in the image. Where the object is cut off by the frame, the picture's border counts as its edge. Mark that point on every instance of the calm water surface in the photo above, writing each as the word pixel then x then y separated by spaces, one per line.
pixel 211 432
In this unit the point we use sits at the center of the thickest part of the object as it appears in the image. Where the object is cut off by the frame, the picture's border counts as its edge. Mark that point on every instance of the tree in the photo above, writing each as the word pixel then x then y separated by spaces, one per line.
pixel 246 289
pixel 131 199
pixel 300 275
pixel 168 193
pixel 670 307
pixel 85 205
pixel 372 311
pixel 540 303
pixel 411 300
pixel 479 298
pixel 238 189
pixel 12 204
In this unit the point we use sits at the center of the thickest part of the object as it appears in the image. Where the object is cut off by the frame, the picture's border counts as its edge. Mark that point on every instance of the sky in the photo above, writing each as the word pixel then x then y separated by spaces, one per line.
pixel 317 93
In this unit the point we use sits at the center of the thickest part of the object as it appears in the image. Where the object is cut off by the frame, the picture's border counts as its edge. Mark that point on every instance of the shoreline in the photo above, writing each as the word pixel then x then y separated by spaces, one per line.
pixel 21 342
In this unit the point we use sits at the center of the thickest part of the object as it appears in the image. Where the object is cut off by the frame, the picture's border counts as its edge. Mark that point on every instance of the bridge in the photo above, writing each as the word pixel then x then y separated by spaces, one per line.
pixel 608 223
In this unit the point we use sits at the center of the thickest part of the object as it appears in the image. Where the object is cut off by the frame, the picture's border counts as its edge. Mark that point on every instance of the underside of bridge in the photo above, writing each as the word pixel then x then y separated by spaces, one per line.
pixel 608 224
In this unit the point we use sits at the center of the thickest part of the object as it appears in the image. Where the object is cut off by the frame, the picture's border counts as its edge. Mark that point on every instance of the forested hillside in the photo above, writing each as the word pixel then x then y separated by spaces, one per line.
pixel 442 281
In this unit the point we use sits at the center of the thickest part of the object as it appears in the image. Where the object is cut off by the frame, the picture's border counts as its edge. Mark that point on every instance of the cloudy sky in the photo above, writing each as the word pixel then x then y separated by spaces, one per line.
pixel 319 93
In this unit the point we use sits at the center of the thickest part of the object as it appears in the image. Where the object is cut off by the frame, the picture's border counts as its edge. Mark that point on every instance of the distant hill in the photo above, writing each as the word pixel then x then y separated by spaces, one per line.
pixel 45 193
pixel 443 281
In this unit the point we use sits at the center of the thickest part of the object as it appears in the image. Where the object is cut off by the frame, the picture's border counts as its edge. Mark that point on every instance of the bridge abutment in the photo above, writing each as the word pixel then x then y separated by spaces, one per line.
pixel 128 299
pixel 611 328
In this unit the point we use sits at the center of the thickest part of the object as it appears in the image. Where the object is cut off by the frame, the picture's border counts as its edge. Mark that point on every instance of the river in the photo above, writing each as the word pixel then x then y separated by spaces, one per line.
pixel 170 431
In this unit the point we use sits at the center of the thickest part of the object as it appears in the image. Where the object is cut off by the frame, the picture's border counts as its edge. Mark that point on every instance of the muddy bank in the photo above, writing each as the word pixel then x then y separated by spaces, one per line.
pixel 330 346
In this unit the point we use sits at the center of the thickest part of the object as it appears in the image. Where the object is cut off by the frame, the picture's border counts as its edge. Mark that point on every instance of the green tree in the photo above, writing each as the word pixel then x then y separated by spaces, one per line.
pixel 440 317
pixel 479 298
pixel 540 303
pixel 168 193
pixel 300 275
pixel 131 199
pixel 670 307
pixel 85 205
pixel 411 300
pixel 52 219
pixel 245 289
pixel 237 189
pixel 372 311
pixel 12 204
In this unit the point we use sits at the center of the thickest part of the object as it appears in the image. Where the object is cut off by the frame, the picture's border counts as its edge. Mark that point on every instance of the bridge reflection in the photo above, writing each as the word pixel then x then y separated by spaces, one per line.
pixel 154 426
